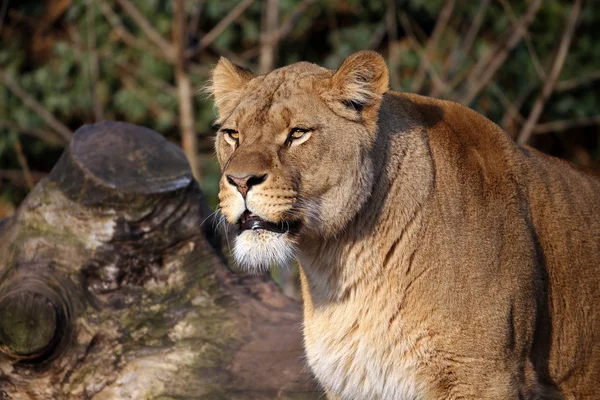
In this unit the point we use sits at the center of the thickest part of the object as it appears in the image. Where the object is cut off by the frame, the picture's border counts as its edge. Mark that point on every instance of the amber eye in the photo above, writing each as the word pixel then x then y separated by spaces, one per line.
pixel 231 136
pixel 298 133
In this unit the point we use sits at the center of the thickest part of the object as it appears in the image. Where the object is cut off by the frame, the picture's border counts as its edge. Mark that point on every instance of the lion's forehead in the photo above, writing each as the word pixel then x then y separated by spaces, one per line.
pixel 274 105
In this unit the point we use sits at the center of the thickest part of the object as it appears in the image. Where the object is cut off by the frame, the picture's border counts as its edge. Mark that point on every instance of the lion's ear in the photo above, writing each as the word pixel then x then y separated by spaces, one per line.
pixel 228 80
pixel 362 80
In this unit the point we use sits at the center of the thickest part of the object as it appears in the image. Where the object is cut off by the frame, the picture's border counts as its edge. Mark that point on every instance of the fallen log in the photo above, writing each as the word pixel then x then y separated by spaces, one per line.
pixel 113 286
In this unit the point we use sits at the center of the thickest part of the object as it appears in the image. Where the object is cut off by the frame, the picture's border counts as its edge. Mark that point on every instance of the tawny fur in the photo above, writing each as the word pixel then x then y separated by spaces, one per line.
pixel 439 259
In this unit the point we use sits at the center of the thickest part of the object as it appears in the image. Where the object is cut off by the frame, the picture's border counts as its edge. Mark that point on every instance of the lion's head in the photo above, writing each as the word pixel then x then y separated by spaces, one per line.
pixel 295 151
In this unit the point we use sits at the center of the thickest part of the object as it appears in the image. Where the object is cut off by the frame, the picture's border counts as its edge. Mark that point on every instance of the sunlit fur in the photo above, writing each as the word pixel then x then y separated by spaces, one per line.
pixel 439 260
pixel 256 251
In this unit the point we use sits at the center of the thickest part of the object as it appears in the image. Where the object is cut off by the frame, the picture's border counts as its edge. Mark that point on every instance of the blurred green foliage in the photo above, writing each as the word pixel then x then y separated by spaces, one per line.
pixel 47 48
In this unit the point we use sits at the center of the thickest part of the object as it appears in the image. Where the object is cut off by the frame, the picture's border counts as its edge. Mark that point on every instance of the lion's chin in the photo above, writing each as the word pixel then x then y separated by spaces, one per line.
pixel 258 249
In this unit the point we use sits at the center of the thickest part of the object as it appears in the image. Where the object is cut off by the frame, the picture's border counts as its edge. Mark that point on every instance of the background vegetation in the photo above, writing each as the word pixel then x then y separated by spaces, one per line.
pixel 532 66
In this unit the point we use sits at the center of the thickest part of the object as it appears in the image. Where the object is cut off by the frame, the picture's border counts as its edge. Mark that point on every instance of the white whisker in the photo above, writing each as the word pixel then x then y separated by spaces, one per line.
pixel 212 214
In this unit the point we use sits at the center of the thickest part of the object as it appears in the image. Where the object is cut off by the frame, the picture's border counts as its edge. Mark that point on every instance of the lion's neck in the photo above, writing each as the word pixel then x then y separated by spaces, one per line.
pixel 382 237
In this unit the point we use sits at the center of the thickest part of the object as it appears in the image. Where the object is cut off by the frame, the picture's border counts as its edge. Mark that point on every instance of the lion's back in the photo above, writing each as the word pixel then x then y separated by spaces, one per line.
pixel 565 211
pixel 548 204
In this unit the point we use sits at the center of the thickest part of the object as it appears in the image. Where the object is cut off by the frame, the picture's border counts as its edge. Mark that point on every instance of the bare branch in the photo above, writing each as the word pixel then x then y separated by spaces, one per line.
pixel 512 112
pixel 140 74
pixel 49 137
pixel 532 53
pixel 241 60
pixel 474 28
pixel 34 106
pixel 141 93
pixel 292 18
pixel 184 90
pixel 557 126
pixel 440 25
pixel 93 61
pixel 77 43
pixel 269 37
pixel 194 24
pixel 576 82
pixel 207 39
pixel 124 35
pixel 561 54
pixel 435 79
pixel 377 36
pixel 461 50
pixel 24 165
pixel 393 50
pixel 246 55
pixel 16 176
pixel 148 29
pixel 508 105
pixel 481 74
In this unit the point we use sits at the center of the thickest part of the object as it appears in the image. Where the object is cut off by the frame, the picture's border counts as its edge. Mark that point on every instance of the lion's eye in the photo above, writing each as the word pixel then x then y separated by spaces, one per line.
pixel 297 133
pixel 231 136
pixel 298 136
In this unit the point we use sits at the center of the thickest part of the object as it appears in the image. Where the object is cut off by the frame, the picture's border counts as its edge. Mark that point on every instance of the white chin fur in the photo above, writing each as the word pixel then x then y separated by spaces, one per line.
pixel 257 250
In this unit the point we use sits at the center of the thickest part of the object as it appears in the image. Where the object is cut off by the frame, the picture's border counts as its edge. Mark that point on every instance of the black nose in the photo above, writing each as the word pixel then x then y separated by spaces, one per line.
pixel 244 184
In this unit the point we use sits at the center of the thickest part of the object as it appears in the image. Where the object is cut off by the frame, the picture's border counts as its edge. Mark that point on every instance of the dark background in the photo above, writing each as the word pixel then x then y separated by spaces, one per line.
pixel 532 66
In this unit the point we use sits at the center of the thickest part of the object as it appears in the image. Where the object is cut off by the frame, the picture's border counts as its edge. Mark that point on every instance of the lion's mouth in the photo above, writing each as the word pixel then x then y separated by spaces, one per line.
pixel 251 221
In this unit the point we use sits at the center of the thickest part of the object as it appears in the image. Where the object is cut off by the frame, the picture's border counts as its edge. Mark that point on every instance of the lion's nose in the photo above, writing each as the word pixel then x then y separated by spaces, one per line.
pixel 244 184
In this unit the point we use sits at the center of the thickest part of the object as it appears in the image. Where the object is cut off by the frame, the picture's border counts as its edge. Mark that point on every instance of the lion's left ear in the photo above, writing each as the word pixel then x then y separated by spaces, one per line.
pixel 228 80
pixel 361 81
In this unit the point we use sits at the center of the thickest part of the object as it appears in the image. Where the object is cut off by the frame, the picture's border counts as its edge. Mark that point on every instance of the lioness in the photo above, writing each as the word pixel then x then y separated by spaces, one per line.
pixel 439 260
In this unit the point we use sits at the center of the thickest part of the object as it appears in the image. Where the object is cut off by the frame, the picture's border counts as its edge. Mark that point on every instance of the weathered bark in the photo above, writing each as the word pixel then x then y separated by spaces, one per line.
pixel 110 288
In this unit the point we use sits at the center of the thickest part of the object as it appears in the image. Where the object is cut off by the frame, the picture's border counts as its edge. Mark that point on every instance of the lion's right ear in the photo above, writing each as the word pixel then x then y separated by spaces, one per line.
pixel 228 81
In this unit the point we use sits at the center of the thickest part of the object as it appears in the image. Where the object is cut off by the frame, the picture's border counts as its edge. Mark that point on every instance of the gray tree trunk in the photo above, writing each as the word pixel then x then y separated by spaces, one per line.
pixel 112 287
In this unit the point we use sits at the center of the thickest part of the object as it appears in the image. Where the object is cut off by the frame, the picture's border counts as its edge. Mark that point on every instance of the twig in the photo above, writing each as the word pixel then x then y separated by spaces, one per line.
pixel 140 74
pixel 561 54
pixel 532 53
pixel 23 163
pixel 247 55
pixel 194 24
pixel 16 176
pixel 107 55
pixel 289 21
pixel 240 60
pixel 93 61
pixel 483 71
pixel 269 37
pixel 556 126
pixel 440 25
pixel 334 37
pixel 124 35
pixel 34 106
pixel 49 137
pixel 286 28
pixel 220 27
pixel 377 36
pixel 435 79
pixel 510 107
pixel 461 50
pixel 393 50
pixel 140 92
pixel 184 90
pixel 569 84
pixel 512 112
pixel 147 28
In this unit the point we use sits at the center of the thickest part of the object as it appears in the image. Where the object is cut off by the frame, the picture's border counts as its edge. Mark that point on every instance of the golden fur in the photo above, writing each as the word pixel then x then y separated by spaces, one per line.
pixel 439 259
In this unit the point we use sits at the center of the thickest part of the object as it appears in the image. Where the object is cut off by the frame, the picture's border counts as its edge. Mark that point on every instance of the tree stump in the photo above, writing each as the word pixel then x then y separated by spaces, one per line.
pixel 112 286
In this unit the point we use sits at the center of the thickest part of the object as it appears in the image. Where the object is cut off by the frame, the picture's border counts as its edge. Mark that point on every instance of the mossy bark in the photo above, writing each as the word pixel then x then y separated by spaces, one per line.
pixel 112 286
